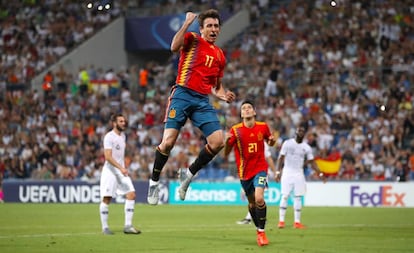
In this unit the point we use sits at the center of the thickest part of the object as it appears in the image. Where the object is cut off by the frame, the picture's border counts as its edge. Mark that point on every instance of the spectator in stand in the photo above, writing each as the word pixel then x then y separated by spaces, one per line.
pixel 411 165
pixel 400 174
pixel 378 170
pixel 28 45
pixel 47 85
pixel 271 87
pixel 143 83
pixel 348 168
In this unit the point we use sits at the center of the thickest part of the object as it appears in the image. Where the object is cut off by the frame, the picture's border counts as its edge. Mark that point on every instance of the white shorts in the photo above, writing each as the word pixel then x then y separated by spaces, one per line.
pixel 295 183
pixel 112 185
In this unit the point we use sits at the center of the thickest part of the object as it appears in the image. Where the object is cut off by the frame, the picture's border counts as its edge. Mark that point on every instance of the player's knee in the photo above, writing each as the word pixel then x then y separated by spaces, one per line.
pixel 166 146
pixel 215 146
pixel 130 196
pixel 285 197
pixel 298 198
pixel 106 200
pixel 216 141
pixel 218 147
pixel 260 201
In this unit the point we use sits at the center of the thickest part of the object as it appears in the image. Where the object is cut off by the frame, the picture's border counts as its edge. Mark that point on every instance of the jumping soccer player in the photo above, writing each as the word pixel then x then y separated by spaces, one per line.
pixel 200 70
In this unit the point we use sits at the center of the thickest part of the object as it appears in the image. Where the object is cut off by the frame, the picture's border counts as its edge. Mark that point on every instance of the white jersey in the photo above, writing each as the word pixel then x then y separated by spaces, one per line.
pixel 117 144
pixel 295 156
pixel 268 155
pixel 267 151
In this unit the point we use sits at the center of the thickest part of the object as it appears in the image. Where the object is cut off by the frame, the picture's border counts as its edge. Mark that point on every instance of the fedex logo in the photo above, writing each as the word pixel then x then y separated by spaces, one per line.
pixel 384 197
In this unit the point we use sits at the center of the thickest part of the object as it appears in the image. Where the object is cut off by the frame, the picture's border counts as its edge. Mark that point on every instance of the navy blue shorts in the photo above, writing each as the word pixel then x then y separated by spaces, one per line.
pixel 188 104
pixel 260 180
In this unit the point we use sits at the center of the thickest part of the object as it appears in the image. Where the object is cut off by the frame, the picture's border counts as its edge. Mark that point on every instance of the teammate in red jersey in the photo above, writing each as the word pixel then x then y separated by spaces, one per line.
pixel 200 70
pixel 248 140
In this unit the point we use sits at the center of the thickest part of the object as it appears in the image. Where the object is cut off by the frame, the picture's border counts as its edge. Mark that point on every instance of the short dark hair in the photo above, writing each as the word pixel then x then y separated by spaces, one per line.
pixel 247 102
pixel 115 116
pixel 303 125
pixel 211 13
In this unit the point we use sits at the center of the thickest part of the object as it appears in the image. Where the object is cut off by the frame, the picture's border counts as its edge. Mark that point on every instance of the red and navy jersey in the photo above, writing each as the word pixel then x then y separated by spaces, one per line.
pixel 201 64
pixel 249 148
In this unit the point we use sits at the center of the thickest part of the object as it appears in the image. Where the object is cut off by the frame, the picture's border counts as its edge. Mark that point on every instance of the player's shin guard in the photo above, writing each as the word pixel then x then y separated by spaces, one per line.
pixel 160 160
pixel 204 157
pixel 261 215
pixel 252 211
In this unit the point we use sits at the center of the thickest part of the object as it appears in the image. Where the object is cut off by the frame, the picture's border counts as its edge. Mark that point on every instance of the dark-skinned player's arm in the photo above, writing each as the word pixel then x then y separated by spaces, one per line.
pixel 317 170
pixel 279 167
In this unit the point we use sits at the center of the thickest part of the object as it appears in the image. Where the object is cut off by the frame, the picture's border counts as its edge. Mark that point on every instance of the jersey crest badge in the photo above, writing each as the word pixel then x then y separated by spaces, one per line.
pixel 260 136
pixel 172 113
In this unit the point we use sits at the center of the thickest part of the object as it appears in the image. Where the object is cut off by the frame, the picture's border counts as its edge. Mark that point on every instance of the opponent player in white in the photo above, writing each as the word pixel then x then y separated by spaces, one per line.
pixel 114 178
pixel 290 172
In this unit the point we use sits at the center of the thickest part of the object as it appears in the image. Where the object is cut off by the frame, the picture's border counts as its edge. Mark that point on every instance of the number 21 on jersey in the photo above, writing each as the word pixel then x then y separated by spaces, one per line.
pixel 252 147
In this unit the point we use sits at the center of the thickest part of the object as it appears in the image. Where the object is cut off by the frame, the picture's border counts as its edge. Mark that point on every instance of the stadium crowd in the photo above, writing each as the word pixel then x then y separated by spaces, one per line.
pixel 346 72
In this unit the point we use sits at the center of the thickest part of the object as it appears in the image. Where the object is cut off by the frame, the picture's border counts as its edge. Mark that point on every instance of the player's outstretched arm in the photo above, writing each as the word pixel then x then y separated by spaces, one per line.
pixel 178 39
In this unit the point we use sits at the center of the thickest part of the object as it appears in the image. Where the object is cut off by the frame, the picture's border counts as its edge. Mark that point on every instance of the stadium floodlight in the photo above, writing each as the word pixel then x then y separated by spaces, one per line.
pixel 99 5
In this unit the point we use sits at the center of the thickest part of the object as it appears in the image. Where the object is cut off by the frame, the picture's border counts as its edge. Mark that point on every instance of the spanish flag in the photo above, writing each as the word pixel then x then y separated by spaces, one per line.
pixel 329 165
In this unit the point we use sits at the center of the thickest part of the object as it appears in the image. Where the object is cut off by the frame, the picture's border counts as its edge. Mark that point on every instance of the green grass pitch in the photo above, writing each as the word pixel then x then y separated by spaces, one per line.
pixel 167 228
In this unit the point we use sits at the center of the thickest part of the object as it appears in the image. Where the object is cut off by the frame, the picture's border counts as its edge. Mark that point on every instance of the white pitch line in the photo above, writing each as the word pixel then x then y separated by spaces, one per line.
pixel 214 228
pixel 157 229
pixel 361 225
pixel 45 235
